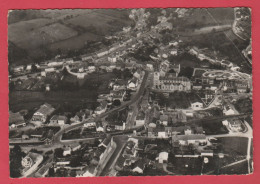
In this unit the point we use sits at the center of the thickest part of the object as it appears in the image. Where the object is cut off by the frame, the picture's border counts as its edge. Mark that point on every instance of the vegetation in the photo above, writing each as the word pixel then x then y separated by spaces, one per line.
pixel 16 155
pixel 244 105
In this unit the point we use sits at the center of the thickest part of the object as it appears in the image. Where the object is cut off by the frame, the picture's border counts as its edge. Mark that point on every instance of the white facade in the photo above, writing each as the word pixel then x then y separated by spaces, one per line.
pixel 197 106
pixel 163 157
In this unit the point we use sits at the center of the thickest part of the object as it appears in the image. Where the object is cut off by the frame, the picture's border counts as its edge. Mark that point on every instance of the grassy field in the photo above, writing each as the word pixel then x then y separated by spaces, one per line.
pixel 25 34
pixel 234 145
pixel 76 42
pixel 179 100
pixel 205 16
pixel 35 31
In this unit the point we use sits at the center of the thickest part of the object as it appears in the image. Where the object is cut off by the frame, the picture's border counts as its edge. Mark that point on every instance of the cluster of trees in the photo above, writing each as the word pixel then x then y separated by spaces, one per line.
pixel 16 155
pixel 143 53
pixel 125 74
pixel 244 105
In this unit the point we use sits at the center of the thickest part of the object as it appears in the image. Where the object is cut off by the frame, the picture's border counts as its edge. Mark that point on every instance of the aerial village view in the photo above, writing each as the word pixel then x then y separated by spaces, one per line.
pixel 130 92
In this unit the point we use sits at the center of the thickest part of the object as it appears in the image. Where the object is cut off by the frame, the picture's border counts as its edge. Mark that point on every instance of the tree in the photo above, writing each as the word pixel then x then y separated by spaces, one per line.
pixel 127 74
pixel 186 72
pixel 51 172
pixel 16 156
pixel 34 68
pixel 116 103
pixel 58 152
pixel 75 161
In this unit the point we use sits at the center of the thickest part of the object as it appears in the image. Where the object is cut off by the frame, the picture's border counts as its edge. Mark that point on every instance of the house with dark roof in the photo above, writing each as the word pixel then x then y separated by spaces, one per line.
pixel 58 120
pixel 139 166
pixel 164 119
pixel 106 141
pixel 41 115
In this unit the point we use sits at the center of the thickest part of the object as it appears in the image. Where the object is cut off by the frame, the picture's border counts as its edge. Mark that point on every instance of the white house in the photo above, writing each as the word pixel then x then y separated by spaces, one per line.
pixel 139 166
pixel 164 56
pixel 140 119
pixel 174 52
pixel 67 151
pixel 28 67
pixel 163 157
pixel 197 106
pixel 137 75
pixel 49 70
pixel 100 129
pixel 234 125
pixel 229 112
pixel 43 74
pixel 102 53
pixel 41 115
pixel 225 122
pixel 207 153
pixel 90 124
pixel 112 59
pixel 92 68
pixel 18 69
pixel 189 139
pixel 132 85
pixel 149 66
pixel 87 173
pixel 162 134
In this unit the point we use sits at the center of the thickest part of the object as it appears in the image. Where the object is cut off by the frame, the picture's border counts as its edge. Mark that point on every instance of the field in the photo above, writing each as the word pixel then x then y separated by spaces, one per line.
pixel 43 33
pixel 25 34
pixel 104 21
pixel 214 128
pixel 69 92
pixel 74 42
pixel 179 100
pixel 205 16
pixel 234 145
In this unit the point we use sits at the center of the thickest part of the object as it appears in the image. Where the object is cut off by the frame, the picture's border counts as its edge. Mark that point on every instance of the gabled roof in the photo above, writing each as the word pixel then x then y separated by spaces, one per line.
pixel 107 140
pixel 46 109
pixel 140 163
pixel 59 117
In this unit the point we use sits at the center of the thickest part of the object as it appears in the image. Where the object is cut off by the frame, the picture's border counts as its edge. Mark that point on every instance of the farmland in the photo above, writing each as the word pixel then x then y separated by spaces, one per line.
pixel 203 17
pixel 41 34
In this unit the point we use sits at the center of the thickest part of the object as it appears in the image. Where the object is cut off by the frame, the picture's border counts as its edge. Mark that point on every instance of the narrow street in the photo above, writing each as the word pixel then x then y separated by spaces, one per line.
pixel 120 142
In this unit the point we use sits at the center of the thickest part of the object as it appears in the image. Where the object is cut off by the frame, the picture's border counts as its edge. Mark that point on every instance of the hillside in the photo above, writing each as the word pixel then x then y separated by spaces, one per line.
pixel 44 33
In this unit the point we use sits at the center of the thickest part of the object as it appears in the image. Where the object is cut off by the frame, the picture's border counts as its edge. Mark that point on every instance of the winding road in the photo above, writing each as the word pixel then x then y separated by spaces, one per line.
pixel 58 135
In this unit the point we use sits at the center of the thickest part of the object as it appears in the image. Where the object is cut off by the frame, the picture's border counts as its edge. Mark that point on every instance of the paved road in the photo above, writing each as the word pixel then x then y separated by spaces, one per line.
pixel 58 135
pixel 213 119
pixel 120 142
